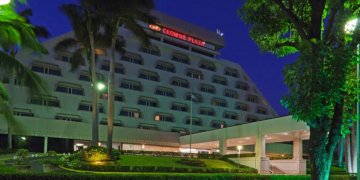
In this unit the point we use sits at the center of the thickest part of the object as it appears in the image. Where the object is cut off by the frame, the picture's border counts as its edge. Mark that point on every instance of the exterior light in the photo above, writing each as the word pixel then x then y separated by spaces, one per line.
pixel 23 138
pixel 4 2
pixel 143 147
pixel 239 147
pixel 282 155
pixel 98 162
pixel 99 143
pixel 100 86
pixel 350 26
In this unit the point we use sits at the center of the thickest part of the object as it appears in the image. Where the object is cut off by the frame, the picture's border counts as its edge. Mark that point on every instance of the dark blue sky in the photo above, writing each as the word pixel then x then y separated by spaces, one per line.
pixel 265 70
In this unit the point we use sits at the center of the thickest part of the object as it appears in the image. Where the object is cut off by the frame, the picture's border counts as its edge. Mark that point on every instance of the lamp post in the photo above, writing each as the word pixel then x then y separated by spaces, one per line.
pixel 239 148
pixel 4 2
pixel 350 26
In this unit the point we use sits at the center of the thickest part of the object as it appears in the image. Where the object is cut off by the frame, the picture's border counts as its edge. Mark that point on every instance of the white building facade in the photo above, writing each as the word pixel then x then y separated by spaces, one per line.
pixel 153 86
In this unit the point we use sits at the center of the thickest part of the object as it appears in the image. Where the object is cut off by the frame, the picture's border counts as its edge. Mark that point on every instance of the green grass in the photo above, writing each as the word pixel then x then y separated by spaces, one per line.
pixel 333 170
pixel 133 160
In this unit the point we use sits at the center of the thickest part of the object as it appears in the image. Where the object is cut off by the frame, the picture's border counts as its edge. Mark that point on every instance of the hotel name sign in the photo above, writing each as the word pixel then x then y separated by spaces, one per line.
pixel 177 35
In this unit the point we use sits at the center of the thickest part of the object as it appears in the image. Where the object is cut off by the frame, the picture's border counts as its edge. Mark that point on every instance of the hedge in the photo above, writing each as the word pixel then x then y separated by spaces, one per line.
pixel 191 162
pixel 157 153
pixel 7 151
pixel 81 176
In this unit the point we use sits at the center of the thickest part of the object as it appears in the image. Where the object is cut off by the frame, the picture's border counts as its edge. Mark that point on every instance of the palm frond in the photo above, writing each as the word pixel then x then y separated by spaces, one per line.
pixel 26 14
pixel 41 32
pixel 138 31
pixel 77 59
pixel 65 44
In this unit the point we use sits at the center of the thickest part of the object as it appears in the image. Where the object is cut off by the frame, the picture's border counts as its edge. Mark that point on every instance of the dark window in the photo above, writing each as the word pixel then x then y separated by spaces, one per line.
pixel 147 76
pixel 106 67
pixel 207 89
pixel 146 102
pixel 165 67
pixel 231 72
pixel 230 116
pixel 165 92
pixel 178 107
pixel 126 85
pixel 180 59
pixel 84 78
pixel 151 51
pixel 180 83
pixel 46 70
pixel 194 122
pixel 242 86
pixel 131 59
pixel 208 112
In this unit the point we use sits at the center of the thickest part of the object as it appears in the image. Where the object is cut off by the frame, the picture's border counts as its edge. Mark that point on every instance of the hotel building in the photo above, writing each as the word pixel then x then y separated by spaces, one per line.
pixel 153 90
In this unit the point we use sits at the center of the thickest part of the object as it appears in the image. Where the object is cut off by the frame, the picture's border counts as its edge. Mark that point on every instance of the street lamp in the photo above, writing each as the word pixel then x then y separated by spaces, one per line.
pixel 349 27
pixel 239 148
pixel 100 86
pixel 4 2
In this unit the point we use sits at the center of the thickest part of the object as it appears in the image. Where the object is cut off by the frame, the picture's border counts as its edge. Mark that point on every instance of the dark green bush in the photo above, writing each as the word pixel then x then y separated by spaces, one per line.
pixel 181 170
pixel 281 157
pixel 7 151
pixel 164 169
pixel 21 158
pixel 52 161
pixel 198 170
pixel 97 153
pixel 192 162
pixel 148 169
pixel 209 156
pixel 123 168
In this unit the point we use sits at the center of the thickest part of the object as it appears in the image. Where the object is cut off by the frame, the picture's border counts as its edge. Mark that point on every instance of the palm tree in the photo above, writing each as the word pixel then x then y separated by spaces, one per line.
pixel 122 12
pixel 84 18
pixel 16 34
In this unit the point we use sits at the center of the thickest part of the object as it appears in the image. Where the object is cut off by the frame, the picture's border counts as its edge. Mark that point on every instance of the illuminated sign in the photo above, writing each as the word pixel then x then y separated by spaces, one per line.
pixel 178 35
pixel 154 27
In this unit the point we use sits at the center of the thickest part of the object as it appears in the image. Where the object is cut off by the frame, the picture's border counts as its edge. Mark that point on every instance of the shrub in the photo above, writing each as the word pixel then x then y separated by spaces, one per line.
pixel 21 157
pixel 192 162
pixel 115 154
pixel 51 153
pixel 51 161
pixel 7 151
pixel 2 163
pixel 93 154
pixel 198 170
pixel 148 169
pixel 164 169
pixel 209 156
pixel 181 170
pixel 123 168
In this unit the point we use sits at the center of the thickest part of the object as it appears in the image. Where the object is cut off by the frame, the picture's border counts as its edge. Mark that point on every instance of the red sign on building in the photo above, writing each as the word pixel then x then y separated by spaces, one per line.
pixel 178 35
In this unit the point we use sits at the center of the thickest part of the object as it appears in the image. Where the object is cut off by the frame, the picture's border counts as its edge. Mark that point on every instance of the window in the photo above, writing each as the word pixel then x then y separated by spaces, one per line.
pixel 6 80
pixel 219 80
pixel 133 58
pixel 218 124
pixel 153 50
pixel 251 119
pixel 242 107
pixel 132 85
pixel 261 110
pixel 85 76
pixel 164 117
pixel 87 106
pixel 179 107
pixel 197 96
pixel 179 130
pixel 100 52
pixel 115 122
pixel 207 111
pixel 118 96
pixel 180 82
pixel 180 58
pixel 50 101
pixel 152 76
pixel 251 98
pixel 64 58
pixel 231 72
pixel 195 121
pixel 147 126
pixel 219 102
pixel 242 86
pixel 194 74
pixel 68 117
pixel 69 88
pixel 230 115
pixel 207 88
pixel 231 94
pixel 154 37
pixel 175 44
pixel 208 66
pixel 119 69
pixel 165 66
pixel 46 68
pixel 146 101
pixel 129 112
pixel 23 112
pixel 165 92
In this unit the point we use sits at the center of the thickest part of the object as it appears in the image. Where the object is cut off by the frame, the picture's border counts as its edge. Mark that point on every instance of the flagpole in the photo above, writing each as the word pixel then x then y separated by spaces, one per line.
pixel 191 102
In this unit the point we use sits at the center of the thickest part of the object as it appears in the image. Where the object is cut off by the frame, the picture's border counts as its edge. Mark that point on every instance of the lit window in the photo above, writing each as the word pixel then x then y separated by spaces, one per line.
pixel 46 68
pixel 219 80
pixel 150 50
pixel 242 86
pixel 231 94
pixel 230 115
pixel 165 66
pixel 207 111
pixel 195 121
pixel 207 88
pixel 132 85
pixel 165 92
pixel 118 96
pixel 50 101
pixel 133 58
pixel 194 74
pixel 180 82
pixel 180 58
pixel 218 124
pixel 100 52
pixel 69 88
pixel 179 107
pixel 219 102
pixel 164 117
pixel 152 76
pixel 208 66
pixel 145 101
pixel 231 72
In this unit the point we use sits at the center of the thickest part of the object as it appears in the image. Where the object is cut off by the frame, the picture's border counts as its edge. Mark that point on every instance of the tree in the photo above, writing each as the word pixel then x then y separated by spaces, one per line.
pixel 17 34
pixel 84 18
pixel 116 13
pixel 319 80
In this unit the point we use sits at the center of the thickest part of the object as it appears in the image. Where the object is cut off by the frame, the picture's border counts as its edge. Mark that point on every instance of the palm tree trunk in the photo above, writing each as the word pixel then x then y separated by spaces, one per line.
pixel 95 124
pixel 341 151
pixel 354 147
pixel 11 92
pixel 348 153
pixel 111 90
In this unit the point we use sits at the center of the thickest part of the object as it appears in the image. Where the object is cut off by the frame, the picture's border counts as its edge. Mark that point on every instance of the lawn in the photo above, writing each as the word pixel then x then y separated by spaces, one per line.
pixel 134 160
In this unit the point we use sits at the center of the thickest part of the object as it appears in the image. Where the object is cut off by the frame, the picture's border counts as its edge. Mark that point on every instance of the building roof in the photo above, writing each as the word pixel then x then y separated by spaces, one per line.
pixel 189 28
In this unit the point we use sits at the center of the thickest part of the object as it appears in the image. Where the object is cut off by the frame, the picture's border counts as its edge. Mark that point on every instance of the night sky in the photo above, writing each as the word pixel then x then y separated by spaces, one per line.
pixel 265 70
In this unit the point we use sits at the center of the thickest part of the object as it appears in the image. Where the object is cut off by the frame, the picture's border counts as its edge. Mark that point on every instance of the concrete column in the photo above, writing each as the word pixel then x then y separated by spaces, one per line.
pixel 45 144
pixel 260 145
pixel 222 146
pixel 297 149
pixel 262 163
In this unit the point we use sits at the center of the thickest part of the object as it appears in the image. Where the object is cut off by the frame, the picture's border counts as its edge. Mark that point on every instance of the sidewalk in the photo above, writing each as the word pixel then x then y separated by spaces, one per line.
pixel 7 157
